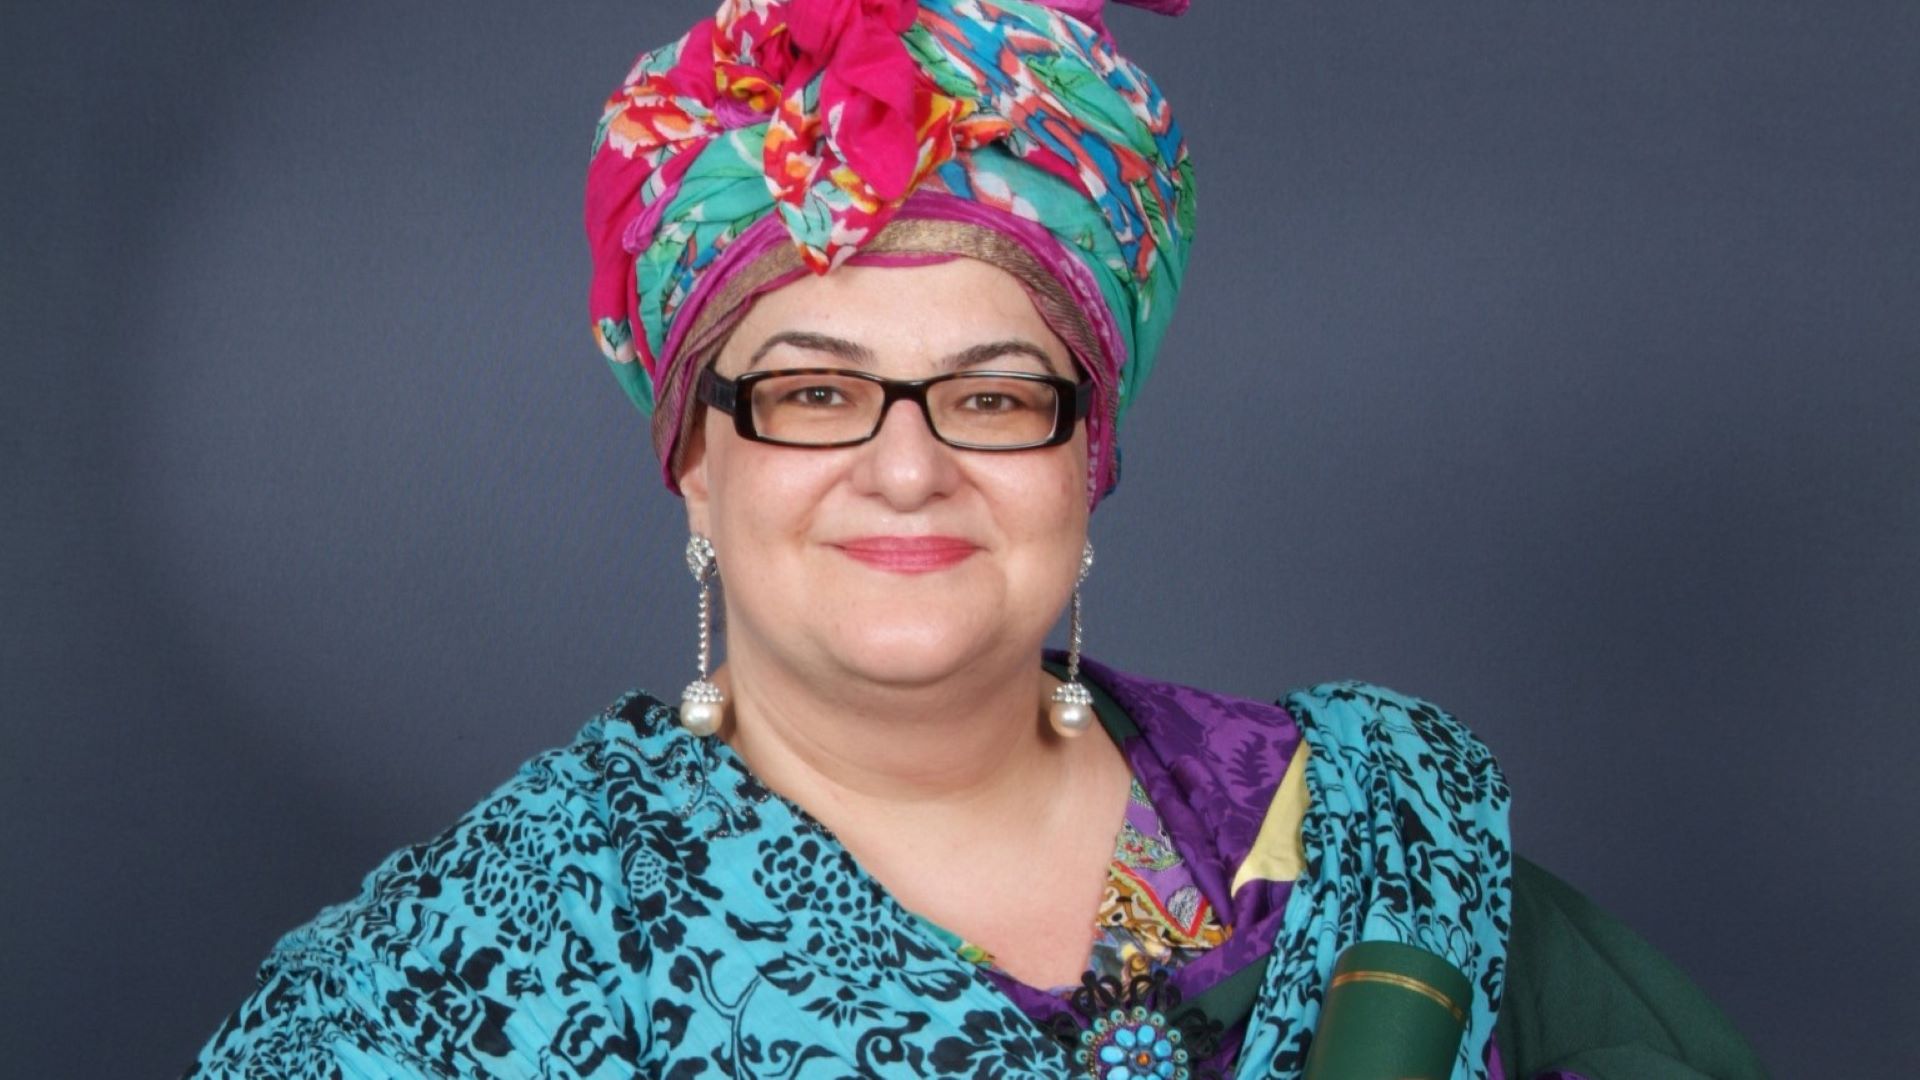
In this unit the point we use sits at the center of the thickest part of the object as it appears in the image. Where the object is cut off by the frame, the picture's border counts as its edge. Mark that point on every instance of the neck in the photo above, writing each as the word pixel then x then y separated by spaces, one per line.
pixel 954 755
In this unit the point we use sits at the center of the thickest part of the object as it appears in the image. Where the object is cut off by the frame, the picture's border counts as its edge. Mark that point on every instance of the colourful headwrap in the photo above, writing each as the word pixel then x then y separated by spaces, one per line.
pixel 814 124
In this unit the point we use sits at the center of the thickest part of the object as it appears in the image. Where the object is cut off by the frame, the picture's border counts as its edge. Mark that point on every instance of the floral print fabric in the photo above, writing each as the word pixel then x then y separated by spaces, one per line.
pixel 828 114
pixel 637 903
pixel 1153 913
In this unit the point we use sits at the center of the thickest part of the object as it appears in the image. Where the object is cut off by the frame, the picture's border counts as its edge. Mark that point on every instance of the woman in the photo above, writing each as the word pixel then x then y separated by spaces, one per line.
pixel 886 276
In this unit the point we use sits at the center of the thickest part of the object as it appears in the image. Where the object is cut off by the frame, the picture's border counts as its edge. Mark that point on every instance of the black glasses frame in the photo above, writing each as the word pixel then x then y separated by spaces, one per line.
pixel 1072 402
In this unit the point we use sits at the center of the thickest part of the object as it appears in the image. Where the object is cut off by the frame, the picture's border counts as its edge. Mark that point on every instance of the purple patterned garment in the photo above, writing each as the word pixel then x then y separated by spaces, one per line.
pixel 1147 855
pixel 1211 765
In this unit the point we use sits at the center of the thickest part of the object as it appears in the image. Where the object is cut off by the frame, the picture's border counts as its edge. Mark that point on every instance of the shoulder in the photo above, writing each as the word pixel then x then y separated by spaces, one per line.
pixel 1357 702
pixel 540 825
pixel 1331 715
pixel 453 942
pixel 1352 716
pixel 1169 709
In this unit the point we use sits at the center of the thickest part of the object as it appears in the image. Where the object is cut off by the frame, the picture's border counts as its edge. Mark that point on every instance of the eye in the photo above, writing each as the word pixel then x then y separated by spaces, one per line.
pixel 815 396
pixel 991 401
pixel 1001 397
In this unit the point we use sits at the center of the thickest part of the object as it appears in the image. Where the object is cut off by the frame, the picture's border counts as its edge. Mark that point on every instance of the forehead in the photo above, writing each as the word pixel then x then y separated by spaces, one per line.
pixel 905 316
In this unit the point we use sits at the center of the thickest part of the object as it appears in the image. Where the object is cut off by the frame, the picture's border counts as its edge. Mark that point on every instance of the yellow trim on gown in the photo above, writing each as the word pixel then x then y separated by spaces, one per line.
pixel 1277 854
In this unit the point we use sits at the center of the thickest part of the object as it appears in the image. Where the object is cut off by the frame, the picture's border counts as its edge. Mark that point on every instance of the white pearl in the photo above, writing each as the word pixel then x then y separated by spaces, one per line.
pixel 1069 718
pixel 700 717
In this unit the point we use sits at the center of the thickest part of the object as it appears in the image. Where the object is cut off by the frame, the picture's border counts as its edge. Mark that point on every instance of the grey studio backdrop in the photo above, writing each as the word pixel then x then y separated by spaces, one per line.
pixel 1557 362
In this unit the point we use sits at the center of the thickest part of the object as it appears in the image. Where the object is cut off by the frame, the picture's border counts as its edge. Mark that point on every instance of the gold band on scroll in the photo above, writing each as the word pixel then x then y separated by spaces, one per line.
pixel 1404 983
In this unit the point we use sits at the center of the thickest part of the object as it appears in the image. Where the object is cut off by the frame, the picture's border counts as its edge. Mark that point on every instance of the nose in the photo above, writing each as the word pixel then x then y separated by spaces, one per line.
pixel 904 463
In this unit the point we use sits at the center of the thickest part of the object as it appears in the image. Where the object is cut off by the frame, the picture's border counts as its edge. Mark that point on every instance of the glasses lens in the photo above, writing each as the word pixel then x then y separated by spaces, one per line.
pixel 989 410
pixel 816 408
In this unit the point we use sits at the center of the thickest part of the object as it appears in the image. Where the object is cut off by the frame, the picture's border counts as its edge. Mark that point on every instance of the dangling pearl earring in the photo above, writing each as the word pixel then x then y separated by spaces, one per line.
pixel 1070 713
pixel 702 705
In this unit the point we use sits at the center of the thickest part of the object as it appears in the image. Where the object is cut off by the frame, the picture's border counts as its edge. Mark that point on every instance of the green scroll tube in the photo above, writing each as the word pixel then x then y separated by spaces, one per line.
pixel 1393 1012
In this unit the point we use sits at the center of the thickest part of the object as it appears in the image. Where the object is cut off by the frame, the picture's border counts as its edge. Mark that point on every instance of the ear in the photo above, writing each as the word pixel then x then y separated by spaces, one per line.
pixel 692 474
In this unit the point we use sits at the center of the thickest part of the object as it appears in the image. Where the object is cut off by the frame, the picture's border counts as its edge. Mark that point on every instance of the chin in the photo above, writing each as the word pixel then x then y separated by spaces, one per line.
pixel 907 655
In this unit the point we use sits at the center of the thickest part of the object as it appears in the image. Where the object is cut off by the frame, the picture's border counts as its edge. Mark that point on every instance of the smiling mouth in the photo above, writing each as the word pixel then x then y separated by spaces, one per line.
pixel 909 554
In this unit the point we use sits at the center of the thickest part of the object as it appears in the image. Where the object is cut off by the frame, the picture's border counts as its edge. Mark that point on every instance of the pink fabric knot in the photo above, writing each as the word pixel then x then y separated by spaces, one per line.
pixel 871 81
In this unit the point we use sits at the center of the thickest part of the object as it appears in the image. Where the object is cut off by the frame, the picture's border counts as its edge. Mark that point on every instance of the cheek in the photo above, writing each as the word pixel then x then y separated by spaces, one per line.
pixel 1052 489
pixel 762 495
pixel 1040 503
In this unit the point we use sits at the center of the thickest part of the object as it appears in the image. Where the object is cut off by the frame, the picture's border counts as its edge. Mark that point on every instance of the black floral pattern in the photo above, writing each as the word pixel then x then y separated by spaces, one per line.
pixel 637 904
pixel 1405 840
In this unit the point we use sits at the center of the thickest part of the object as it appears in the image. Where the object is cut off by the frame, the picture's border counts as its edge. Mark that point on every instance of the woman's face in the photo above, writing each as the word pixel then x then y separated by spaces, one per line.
pixel 817 547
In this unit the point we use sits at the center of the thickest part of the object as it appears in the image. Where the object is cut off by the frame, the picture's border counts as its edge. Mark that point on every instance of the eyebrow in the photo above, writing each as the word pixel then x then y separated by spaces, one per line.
pixel 861 356
pixel 994 350
pixel 846 350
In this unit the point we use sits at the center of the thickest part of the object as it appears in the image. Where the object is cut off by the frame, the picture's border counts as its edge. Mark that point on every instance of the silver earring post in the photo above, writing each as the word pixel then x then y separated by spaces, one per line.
pixel 1070 711
pixel 702 704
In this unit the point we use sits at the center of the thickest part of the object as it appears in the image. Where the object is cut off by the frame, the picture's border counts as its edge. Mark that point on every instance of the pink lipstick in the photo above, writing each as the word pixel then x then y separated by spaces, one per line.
pixel 909 554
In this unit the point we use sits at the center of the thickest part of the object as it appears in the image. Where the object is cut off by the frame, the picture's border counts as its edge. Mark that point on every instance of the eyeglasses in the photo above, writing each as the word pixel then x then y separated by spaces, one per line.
pixel 972 410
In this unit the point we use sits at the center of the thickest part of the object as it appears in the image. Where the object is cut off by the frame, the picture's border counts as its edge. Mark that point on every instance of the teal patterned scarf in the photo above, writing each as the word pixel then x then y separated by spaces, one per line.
pixel 639 902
